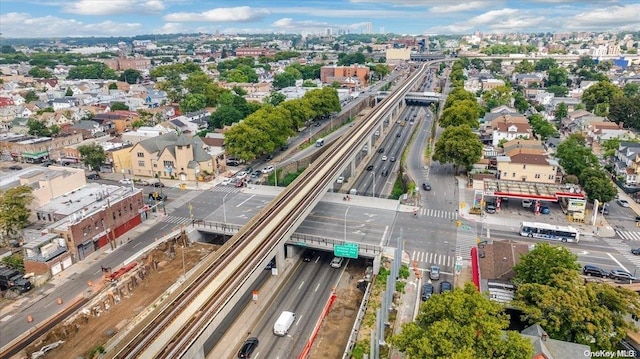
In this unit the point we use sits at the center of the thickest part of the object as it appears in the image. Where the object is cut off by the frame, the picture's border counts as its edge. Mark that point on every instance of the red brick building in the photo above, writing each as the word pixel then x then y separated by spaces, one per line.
pixel 354 76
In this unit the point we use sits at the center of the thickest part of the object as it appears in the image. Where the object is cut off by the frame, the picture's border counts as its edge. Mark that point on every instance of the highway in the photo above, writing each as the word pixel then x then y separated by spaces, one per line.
pixel 231 266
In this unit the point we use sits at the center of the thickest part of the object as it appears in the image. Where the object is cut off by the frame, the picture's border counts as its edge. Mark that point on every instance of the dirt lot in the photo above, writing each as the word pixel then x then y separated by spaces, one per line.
pixel 83 336
pixel 336 328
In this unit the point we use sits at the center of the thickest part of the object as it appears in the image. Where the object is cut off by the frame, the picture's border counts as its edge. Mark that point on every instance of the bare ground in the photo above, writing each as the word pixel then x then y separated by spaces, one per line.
pixel 86 333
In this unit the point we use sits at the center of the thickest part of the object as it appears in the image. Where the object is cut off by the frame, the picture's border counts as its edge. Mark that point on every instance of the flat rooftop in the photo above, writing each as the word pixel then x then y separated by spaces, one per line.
pixel 531 190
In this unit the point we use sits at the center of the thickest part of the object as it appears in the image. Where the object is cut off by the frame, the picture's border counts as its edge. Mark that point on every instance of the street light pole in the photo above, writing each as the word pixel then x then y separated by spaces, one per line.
pixel 197 171
pixel 345 223
pixel 373 192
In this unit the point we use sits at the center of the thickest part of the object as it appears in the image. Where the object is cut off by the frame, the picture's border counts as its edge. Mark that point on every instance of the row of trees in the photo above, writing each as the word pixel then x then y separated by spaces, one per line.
pixel 619 104
pixel 550 292
pixel 268 128
pixel 458 144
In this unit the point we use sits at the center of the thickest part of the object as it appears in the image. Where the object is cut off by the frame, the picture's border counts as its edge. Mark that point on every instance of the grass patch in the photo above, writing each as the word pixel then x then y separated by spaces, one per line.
pixel 288 178
pixel 398 188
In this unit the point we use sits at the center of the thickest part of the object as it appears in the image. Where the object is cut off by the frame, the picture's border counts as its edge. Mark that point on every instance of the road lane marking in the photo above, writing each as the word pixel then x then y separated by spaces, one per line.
pixel 615 260
pixel 243 202
pixel 298 321
pixel 384 234
pixel 301 284
pixel 317 286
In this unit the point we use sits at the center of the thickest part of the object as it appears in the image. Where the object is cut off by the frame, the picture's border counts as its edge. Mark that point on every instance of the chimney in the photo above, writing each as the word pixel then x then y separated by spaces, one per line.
pixel 544 336
pixel 621 125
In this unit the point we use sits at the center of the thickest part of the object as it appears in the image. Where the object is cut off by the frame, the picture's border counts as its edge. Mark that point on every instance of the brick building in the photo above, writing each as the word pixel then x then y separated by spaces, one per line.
pixel 128 63
pixel 354 76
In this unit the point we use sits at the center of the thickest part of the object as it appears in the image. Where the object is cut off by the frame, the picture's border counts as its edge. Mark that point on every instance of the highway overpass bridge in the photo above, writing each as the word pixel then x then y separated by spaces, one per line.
pixel 180 326
pixel 414 98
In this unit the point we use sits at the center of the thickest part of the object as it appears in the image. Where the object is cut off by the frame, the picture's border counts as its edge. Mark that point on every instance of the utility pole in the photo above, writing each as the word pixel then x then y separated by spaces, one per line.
pixel 110 229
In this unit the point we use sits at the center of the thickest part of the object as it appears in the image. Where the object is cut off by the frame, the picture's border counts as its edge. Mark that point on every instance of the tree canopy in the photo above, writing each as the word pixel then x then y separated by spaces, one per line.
pixel 92 71
pixel 599 96
pixel 458 145
pixel 539 265
pixel 465 112
pixel 574 156
pixel 461 324
pixel 541 127
pixel 93 155
pixel 131 76
pixel 14 211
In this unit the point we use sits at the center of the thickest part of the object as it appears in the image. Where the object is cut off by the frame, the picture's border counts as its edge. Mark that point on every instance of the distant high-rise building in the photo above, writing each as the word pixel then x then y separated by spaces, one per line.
pixel 369 28
pixel 382 29
pixel 329 31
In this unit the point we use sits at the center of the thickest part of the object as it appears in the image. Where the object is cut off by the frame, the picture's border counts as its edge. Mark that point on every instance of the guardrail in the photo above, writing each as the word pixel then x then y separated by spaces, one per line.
pixel 353 337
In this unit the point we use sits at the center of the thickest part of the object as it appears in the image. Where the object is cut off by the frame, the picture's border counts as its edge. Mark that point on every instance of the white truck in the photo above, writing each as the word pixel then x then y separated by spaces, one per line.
pixel 284 322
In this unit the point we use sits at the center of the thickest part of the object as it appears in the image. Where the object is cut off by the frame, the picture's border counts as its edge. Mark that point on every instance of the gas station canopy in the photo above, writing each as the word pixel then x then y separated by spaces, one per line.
pixel 529 190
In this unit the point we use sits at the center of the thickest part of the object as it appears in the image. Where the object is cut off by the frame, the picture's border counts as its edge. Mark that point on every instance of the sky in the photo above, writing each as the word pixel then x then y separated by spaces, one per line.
pixel 61 18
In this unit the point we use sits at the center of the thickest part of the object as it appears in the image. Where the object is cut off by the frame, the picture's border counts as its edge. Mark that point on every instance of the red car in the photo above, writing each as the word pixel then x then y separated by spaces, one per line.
pixel 239 183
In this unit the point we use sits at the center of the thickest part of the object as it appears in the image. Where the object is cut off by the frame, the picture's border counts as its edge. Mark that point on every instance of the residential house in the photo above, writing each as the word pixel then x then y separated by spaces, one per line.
pixel 155 98
pixel 171 156
pixel 527 80
pixel 509 127
pixel 144 133
pixel 46 255
pixel 19 125
pixel 627 160
pixel 599 131
pixel 547 348
pixel 88 129
pixel 490 84
pixel 571 102
pixel 527 161
pixel 54 118
pixel 63 103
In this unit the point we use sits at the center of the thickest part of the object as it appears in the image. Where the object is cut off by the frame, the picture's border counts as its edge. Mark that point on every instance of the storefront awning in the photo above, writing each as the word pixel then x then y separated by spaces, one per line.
pixel 35 155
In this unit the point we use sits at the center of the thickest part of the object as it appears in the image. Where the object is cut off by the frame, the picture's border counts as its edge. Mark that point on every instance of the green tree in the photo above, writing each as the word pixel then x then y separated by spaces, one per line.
pixel 31 96
pixel 631 89
pixel 458 94
pixel 461 324
pixel 458 145
pixel 308 83
pixel 477 64
pixel 498 96
pixel 283 80
pixel 464 112
pixel 546 64
pixel 322 102
pixel 193 102
pixel 14 211
pixel 520 102
pixel 118 106
pixel 93 155
pixel 539 265
pixel 137 124
pixel 113 86
pixel 37 128
pixel 600 93
pixel 275 98
pixel 240 91
pixel 69 92
pixel 54 130
pixel 610 146
pixel 495 66
pixel 131 76
pixel 225 116
pixel 300 111
pixel 541 127
pixel 39 72
pixel 597 185
pixel 625 110
pixel 557 76
pixel 562 111
pixel 574 156
pixel 571 310
pixel 524 67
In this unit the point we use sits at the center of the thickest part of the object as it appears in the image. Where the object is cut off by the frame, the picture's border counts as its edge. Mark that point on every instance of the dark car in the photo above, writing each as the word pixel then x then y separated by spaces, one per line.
pixel 309 256
pixel 248 347
pixel 381 150
pixel 620 274
pixel 399 134
pixel 369 167
pixel 592 270
pixel 426 187
pixel 635 252
pixel 490 208
pixel 48 163
pixel 384 173
pixel 284 148
pixel 427 291
pixel 445 287
pixel 158 184
pixel 15 168
pixel 256 173
pixel 271 265
pixel 93 176
pixel 233 163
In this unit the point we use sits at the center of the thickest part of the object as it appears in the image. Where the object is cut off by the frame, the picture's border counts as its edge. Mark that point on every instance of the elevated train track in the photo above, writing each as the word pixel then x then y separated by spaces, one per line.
pixel 172 328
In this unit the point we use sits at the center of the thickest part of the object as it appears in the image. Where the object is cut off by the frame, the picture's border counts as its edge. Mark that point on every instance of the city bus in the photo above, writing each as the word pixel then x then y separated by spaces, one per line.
pixel 549 231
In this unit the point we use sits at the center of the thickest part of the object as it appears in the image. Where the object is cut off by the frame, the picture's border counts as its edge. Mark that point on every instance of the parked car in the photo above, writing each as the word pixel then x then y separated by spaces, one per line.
pixel 241 175
pixel 144 183
pixel 591 270
pixel 158 184
pixel 620 274
pixel 445 287
pixel 527 203
pixel 623 203
pixel 635 252
pixel 233 163
pixel 545 210
pixel 125 181
pixel 248 347
pixel 434 273
pixel 490 208
pixel 48 163
pixel 15 168
pixel 226 181
pixel 256 174
pixel 268 169
pixel 93 176
pixel 605 209
pixel 340 180
pixel 271 264
pixel 427 291
pixel 426 186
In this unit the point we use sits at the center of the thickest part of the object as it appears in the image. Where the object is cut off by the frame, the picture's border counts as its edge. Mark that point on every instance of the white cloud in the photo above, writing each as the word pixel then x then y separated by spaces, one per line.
pixel 464 6
pixel 503 20
pixel 111 7
pixel 172 28
pixel 492 16
pixel 344 13
pixel 230 14
pixel 608 18
pixel 24 25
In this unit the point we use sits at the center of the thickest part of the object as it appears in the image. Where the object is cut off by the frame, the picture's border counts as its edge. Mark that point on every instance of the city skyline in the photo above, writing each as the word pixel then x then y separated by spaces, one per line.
pixel 81 18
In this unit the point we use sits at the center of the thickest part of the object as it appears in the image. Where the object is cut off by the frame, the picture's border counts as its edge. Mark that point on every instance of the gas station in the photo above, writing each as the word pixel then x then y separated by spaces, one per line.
pixel 569 196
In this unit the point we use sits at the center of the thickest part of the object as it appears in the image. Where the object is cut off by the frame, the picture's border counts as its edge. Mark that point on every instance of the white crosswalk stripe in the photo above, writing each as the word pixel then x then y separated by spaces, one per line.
pixel 230 188
pixel 625 250
pixel 629 235
pixel 429 258
pixel 438 213
pixel 177 220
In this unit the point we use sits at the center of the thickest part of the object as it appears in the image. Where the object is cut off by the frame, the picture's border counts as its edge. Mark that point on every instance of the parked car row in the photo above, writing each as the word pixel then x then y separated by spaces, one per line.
pixel 616 274
pixel 428 289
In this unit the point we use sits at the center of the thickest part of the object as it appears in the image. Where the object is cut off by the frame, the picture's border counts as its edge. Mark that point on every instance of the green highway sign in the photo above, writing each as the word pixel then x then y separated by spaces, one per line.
pixel 347 250
pixel 301 244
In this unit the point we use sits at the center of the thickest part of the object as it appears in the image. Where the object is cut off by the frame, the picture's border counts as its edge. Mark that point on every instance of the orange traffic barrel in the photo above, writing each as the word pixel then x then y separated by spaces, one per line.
pixel 59 300
pixel 29 318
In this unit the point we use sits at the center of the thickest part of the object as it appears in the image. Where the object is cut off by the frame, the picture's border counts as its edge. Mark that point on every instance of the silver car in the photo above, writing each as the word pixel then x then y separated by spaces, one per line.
pixel 434 273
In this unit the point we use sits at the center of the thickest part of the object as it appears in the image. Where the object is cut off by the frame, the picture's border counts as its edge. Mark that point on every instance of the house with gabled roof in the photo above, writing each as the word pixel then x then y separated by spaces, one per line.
pixel 626 166
pixel 172 155
pixel 509 127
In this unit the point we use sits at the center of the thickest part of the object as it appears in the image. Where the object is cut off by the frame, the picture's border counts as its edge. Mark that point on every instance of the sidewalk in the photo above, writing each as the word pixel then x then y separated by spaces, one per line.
pixel 407 308
pixel 511 223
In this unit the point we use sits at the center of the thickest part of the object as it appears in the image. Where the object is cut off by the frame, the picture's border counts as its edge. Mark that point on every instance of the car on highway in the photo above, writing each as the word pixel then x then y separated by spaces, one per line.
pixel 336 262
pixel 623 203
pixel 340 180
pixel 427 291
pixel 426 186
pixel 445 287
pixel 125 181
pixel 635 251
pixel 268 169
pixel 384 173
pixel 434 273
pixel 591 270
pixel 248 348
pixel 370 168
pixel 381 150
pixel 15 168
pixel 399 134
pixel 256 174
pixel 309 256
pixel 392 159
pixel 384 158
pixel 620 274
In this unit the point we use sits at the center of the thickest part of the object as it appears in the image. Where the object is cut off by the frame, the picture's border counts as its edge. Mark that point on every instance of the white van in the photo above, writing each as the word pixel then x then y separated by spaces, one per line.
pixel 284 322
pixel 320 142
